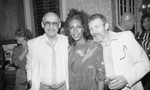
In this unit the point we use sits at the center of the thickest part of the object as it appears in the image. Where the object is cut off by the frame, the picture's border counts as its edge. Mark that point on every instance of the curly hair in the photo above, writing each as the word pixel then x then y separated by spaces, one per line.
pixel 83 17
pixel 24 33
pixel 144 16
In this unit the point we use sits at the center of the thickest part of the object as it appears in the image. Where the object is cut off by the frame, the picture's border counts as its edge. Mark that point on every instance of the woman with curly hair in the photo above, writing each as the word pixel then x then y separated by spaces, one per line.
pixel 19 57
pixel 86 65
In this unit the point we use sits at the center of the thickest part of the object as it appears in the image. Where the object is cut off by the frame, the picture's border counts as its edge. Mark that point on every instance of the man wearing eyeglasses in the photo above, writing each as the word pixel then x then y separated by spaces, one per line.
pixel 47 57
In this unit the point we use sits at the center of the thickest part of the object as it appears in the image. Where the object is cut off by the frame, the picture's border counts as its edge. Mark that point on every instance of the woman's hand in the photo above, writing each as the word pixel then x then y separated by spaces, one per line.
pixel 25 47
pixel 25 50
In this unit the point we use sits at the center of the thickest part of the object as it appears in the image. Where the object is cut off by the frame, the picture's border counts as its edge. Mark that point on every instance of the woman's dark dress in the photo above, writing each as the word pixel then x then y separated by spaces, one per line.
pixel 86 66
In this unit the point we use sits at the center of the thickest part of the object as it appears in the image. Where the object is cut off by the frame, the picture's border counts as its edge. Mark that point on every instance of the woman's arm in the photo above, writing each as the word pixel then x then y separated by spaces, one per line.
pixel 101 85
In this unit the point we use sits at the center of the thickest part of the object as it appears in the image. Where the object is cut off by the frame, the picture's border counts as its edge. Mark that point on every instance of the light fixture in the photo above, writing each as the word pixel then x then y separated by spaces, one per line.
pixel 145 7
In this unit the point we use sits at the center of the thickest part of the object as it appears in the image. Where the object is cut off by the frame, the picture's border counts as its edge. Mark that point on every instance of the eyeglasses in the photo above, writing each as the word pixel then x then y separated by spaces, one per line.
pixel 54 24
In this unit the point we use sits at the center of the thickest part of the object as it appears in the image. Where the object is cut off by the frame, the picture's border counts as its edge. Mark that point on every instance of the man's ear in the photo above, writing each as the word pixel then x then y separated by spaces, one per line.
pixel 106 26
pixel 42 24
pixel 59 24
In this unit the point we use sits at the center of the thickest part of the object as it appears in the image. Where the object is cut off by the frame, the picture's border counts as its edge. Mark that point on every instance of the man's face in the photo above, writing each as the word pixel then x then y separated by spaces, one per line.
pixel 130 24
pixel 97 30
pixel 51 25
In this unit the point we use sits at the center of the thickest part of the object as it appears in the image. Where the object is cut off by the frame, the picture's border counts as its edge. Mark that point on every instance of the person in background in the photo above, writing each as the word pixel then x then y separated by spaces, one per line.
pixel 143 38
pixel 126 22
pixel 47 58
pixel 61 30
pixel 2 67
pixel 86 66
pixel 125 60
pixel 19 57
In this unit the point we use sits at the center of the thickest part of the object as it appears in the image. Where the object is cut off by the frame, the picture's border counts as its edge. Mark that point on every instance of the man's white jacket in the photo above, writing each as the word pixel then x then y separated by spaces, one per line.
pixel 35 56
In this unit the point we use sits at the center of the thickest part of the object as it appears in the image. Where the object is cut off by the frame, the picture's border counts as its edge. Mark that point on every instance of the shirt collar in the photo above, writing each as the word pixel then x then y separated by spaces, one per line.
pixel 112 36
pixel 47 40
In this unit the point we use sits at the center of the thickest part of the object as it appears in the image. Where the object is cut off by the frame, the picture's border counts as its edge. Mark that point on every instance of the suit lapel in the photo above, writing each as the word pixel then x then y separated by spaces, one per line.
pixel 118 54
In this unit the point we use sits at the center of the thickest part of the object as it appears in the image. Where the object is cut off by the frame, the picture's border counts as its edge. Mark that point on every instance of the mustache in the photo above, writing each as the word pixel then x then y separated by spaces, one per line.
pixel 96 34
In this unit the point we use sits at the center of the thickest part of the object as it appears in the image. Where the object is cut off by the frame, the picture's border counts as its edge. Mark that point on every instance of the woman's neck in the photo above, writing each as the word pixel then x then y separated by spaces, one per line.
pixel 81 41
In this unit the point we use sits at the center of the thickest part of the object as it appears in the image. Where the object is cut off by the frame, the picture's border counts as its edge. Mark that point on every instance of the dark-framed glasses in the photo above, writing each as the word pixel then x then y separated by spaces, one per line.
pixel 54 24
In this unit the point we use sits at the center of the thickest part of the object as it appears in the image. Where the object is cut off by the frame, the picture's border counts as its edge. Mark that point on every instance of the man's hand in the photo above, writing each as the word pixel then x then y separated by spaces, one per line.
pixel 117 82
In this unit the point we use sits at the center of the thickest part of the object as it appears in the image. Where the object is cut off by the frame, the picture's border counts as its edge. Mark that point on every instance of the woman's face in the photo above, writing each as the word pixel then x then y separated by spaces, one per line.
pixel 76 29
pixel 146 23
pixel 20 40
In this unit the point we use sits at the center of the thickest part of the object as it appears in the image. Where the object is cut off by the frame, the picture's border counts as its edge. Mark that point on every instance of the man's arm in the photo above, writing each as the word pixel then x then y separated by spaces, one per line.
pixel 29 64
pixel 140 60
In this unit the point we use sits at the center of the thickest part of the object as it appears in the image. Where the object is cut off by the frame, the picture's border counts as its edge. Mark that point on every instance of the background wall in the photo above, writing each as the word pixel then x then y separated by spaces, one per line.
pixel 91 7
pixel 11 18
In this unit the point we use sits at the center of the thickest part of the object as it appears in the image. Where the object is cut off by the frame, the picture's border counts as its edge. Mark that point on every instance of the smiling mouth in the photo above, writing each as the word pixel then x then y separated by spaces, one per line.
pixel 51 30
pixel 96 35
pixel 76 35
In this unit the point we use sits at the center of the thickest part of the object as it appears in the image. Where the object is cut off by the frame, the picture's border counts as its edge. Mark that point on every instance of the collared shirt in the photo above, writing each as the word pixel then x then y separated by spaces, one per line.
pixel 46 66
pixel 107 55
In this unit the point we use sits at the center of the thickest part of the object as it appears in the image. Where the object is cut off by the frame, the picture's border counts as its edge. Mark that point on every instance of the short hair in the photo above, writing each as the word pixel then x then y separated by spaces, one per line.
pixel 81 16
pixel 23 33
pixel 98 16
pixel 147 15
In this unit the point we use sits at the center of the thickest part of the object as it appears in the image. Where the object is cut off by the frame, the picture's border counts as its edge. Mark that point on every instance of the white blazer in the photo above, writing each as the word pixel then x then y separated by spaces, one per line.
pixel 34 59
pixel 129 59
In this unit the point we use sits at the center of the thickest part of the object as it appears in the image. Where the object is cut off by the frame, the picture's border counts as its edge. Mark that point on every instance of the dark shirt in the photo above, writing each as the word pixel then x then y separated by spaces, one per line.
pixel 144 40
pixel 17 51
pixel 86 66
pixel 117 29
